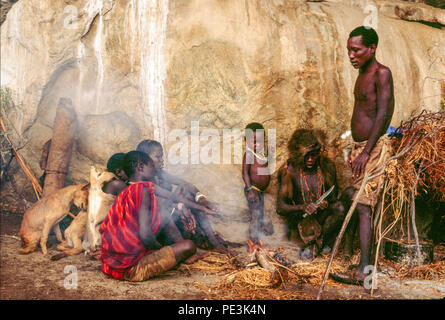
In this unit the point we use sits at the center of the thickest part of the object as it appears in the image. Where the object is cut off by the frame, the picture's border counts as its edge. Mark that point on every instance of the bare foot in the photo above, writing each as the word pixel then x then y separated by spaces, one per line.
pixel 195 257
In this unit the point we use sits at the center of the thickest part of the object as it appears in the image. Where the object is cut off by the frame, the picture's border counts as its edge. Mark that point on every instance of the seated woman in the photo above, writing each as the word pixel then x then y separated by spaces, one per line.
pixel 302 181
pixel 186 200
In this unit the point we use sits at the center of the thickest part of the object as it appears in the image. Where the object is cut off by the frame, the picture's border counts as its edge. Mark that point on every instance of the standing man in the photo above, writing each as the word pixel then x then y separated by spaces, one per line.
pixel 373 110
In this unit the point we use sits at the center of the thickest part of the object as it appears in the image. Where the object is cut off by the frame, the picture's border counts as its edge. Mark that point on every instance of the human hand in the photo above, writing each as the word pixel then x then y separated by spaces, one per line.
pixel 310 208
pixel 210 211
pixel 359 164
pixel 323 205
pixel 206 203
pixel 252 195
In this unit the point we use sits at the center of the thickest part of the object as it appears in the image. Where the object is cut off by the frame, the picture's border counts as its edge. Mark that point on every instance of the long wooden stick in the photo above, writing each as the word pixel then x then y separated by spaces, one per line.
pixel 413 214
pixel 35 183
pixel 342 231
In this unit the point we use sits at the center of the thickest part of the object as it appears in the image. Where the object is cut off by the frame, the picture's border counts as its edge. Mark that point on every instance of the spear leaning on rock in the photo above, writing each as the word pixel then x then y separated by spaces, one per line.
pixel 366 178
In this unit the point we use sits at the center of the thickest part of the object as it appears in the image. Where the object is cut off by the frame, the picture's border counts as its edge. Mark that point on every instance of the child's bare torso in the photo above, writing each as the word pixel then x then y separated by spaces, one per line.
pixel 258 172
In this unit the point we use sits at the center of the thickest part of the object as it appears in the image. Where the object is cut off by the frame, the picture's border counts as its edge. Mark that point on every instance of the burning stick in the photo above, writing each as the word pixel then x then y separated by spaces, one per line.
pixel 264 260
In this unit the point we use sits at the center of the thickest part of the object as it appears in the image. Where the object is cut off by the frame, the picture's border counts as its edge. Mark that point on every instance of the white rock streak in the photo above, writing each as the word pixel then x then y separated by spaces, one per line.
pixel 93 9
pixel 146 21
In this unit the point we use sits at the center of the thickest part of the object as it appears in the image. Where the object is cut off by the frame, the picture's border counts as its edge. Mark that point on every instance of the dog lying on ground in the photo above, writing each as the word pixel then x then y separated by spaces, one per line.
pixel 99 203
pixel 46 213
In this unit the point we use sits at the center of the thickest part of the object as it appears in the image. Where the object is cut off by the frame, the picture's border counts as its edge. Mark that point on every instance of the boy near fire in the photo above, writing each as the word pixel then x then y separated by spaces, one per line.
pixel 256 178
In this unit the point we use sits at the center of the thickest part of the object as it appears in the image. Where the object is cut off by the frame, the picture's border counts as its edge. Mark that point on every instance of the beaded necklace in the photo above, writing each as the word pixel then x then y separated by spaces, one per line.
pixel 306 193
pixel 259 156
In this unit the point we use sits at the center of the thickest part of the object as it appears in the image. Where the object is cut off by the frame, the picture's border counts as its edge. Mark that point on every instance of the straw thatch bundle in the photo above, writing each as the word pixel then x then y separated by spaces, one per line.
pixel 422 169
pixel 426 159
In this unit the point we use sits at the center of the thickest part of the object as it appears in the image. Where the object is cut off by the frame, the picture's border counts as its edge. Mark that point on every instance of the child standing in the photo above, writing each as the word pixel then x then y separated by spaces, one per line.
pixel 256 178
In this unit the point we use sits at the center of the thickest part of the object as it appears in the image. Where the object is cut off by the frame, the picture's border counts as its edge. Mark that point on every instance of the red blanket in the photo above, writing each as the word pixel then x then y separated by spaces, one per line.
pixel 121 245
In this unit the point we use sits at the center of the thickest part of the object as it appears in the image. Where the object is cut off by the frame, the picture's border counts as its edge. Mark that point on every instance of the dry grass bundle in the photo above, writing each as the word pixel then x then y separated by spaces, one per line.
pixel 419 163
pixel 434 271
pixel 256 277
pixel 426 158
pixel 214 263
pixel 312 272
pixel 257 282
pixel 422 168
pixel 250 284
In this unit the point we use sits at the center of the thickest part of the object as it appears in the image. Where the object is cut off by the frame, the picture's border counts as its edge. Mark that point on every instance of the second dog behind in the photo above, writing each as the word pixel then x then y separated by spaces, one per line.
pixel 99 203
pixel 46 213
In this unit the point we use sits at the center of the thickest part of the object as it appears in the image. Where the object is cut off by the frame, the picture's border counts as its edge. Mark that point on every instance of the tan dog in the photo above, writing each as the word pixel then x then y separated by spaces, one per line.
pixel 72 244
pixel 99 203
pixel 47 213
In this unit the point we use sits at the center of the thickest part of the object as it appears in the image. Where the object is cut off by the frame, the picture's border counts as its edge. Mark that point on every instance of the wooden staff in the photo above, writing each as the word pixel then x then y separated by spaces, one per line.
pixel 35 183
pixel 59 157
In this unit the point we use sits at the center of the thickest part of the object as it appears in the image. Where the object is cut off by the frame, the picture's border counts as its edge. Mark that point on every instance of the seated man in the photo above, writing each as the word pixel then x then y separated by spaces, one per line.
pixel 302 181
pixel 192 222
pixel 130 249
pixel 115 165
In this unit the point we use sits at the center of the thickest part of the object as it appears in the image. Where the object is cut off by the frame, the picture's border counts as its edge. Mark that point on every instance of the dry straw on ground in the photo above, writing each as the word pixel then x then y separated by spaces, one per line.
pixel 255 282
pixel 434 271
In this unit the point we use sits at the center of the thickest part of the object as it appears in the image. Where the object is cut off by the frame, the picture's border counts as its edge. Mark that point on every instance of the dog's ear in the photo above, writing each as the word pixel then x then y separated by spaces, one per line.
pixel 86 186
pixel 94 174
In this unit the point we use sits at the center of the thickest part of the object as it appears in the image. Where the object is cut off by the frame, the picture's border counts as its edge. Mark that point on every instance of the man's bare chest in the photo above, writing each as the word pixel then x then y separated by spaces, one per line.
pixel 365 88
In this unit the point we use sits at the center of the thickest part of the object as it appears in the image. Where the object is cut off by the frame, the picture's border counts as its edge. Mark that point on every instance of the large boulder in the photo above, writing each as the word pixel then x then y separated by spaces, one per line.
pixel 140 69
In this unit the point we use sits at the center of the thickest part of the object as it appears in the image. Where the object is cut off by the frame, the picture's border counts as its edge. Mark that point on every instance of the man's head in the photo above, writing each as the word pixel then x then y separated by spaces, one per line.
pixel 154 151
pixel 138 166
pixel 254 134
pixel 304 149
pixel 362 44
pixel 115 165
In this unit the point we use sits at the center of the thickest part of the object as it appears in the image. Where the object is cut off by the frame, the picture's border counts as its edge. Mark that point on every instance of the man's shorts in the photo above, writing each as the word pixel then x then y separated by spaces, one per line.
pixel 152 265
pixel 379 154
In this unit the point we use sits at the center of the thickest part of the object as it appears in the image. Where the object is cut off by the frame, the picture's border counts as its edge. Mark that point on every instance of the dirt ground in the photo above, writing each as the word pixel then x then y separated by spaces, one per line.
pixel 36 277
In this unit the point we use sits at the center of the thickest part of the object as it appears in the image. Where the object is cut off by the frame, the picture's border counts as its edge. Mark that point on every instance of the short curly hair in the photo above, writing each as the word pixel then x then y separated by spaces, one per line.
pixel 132 159
pixel 115 162
pixel 369 35
pixel 147 146
pixel 301 142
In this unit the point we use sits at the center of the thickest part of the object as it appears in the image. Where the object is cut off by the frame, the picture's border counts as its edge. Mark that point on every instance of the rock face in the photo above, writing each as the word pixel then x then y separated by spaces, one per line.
pixel 141 69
